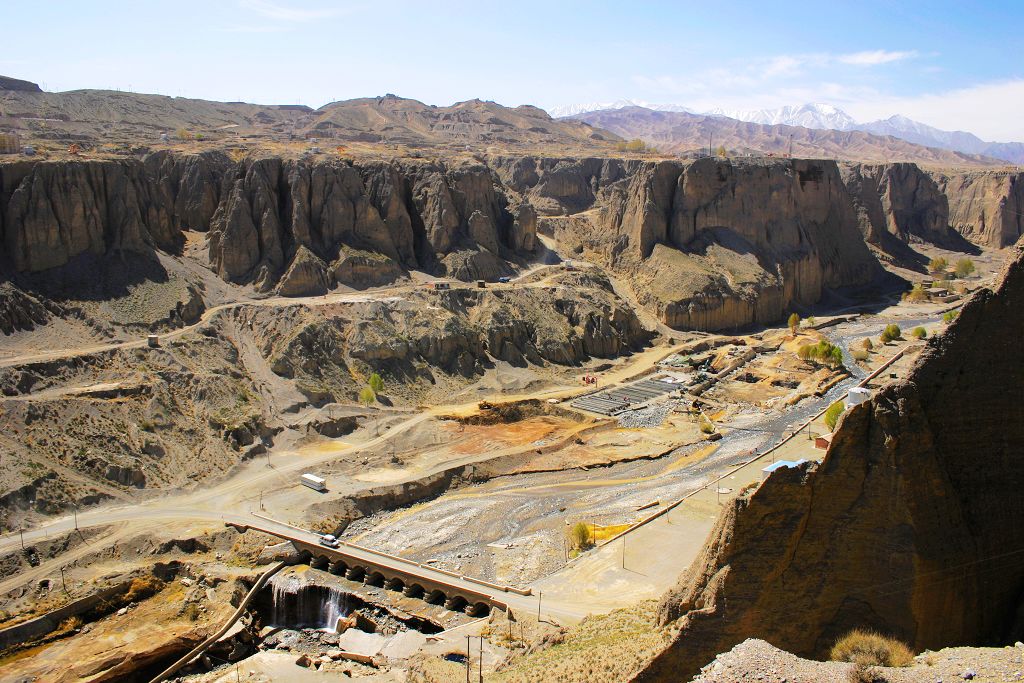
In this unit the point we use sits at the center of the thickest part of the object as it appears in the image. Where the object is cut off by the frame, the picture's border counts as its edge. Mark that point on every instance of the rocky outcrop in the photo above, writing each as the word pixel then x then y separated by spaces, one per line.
pixel 466 331
pixel 910 526
pixel 714 244
pixel 260 212
pixel 8 83
pixel 306 276
pixel 899 200
pixel 986 207
pixel 21 311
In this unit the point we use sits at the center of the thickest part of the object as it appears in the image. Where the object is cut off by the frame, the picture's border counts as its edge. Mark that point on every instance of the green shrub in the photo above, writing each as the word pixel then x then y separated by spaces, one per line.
pixel 859 354
pixel 919 333
pixel 635 145
pixel 949 316
pixel 833 413
pixel 892 332
pixel 916 295
pixel 868 648
pixel 867 344
pixel 938 265
pixel 794 322
pixel 964 267
pixel 706 427
pixel 580 537
pixel 823 352
pixel 376 383
pixel 367 396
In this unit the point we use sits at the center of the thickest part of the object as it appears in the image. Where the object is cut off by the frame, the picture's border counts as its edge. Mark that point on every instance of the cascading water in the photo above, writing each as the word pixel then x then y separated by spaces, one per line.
pixel 301 605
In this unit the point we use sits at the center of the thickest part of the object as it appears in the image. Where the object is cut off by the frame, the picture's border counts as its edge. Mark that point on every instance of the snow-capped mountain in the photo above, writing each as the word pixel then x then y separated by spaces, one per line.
pixel 923 134
pixel 576 109
pixel 829 117
pixel 823 116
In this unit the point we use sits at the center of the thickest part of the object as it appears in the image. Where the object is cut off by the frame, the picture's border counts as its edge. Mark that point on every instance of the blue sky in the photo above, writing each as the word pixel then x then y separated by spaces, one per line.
pixel 943 63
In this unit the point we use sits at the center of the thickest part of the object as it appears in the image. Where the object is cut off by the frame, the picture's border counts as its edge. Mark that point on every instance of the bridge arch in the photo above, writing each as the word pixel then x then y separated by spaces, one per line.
pixel 355 573
pixel 395 583
pixel 412 590
pixel 478 609
pixel 455 603
pixel 319 562
pixel 436 597
pixel 374 579
pixel 338 567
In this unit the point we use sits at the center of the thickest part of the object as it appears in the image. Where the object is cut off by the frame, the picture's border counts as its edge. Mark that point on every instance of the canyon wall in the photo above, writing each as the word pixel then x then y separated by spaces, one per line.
pixel 264 214
pixel 912 525
pixel 710 244
pixel 899 201
pixel 715 243
pixel 986 207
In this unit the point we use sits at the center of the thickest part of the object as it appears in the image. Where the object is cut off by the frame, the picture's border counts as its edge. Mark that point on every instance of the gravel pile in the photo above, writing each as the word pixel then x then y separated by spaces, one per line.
pixel 757 661
pixel 651 416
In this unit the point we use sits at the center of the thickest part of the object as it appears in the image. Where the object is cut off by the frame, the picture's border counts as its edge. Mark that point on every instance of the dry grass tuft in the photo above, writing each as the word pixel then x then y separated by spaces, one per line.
pixel 869 648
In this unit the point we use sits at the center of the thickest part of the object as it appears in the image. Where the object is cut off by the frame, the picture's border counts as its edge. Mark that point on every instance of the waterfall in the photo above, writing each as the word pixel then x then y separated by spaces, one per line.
pixel 298 605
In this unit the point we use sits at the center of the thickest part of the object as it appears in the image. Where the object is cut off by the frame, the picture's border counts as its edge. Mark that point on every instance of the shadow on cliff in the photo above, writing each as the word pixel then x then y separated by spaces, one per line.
pixel 89 277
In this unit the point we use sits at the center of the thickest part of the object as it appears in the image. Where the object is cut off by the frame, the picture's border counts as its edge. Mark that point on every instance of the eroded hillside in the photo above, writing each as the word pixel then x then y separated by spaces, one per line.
pixel 909 526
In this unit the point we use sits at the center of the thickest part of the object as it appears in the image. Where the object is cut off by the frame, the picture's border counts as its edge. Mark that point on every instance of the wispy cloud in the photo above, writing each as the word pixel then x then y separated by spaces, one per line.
pixel 271 10
pixel 875 57
pixel 268 28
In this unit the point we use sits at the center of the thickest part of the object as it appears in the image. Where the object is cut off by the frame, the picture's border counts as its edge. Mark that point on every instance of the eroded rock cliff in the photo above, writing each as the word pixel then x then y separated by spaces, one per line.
pixel 985 207
pixel 716 243
pixel 264 215
pixel 912 525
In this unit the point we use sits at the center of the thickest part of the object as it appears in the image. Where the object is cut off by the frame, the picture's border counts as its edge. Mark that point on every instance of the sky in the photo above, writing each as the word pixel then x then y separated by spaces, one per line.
pixel 953 65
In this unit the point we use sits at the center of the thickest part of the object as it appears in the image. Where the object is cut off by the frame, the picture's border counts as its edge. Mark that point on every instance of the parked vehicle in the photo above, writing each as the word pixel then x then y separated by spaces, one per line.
pixel 330 541
pixel 505 279
pixel 314 482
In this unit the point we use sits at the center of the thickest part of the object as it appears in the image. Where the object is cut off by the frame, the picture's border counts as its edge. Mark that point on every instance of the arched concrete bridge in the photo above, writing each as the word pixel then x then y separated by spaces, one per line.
pixel 437 586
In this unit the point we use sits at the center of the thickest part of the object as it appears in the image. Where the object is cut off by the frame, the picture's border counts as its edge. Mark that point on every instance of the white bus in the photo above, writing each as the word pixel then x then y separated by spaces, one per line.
pixel 314 482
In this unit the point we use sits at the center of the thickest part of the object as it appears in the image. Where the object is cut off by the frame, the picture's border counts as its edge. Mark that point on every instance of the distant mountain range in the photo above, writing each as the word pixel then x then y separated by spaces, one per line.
pixel 828 117
pixel 682 133
pixel 574 109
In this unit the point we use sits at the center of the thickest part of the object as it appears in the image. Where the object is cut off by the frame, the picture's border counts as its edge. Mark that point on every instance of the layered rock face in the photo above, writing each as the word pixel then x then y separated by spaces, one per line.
pixel 716 243
pixel 466 331
pixel 267 217
pixel 985 207
pixel 901 201
pixel 912 525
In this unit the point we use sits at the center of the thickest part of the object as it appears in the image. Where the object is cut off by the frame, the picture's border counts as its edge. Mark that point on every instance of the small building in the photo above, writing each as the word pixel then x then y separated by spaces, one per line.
pixel 823 441
pixel 936 292
pixel 481 284
pixel 153 340
pixel 438 285
pixel 779 464
pixel 856 396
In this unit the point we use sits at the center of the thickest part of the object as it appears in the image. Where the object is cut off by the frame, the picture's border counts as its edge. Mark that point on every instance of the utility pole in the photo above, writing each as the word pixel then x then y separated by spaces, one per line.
pixel 480 664
pixel 76 518
pixel 261 499
pixel 790 145
pixel 467 658
pixel 623 551
pixel 62 582
pixel 540 594
pixel 710 153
